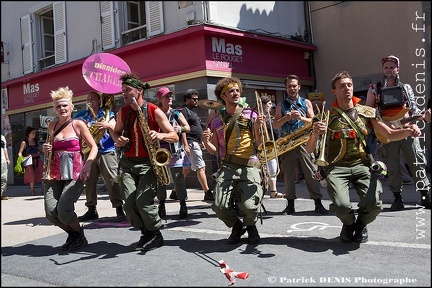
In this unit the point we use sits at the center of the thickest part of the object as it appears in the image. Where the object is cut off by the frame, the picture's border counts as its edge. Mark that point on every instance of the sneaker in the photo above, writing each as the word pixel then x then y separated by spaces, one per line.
pixel 173 195
pixel 208 196
pixel 155 242
pixel 91 214
pixel 146 237
pixel 236 232
pixel 4 198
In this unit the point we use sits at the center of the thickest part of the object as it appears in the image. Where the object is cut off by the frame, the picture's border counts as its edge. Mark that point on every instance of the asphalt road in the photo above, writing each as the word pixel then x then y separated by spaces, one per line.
pixel 302 249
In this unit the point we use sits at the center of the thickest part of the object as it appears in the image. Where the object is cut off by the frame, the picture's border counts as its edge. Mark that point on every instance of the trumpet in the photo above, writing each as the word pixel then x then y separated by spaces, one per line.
pixel 321 158
pixel 267 150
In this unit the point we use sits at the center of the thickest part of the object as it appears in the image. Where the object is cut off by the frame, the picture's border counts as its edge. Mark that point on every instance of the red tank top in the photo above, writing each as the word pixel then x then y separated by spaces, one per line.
pixel 138 147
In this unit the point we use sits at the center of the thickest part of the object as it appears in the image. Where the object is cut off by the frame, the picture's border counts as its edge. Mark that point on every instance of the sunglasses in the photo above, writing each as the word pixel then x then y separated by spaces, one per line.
pixel 194 99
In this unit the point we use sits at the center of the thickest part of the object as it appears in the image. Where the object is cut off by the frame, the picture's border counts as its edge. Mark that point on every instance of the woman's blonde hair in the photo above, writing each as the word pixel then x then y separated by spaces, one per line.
pixel 62 93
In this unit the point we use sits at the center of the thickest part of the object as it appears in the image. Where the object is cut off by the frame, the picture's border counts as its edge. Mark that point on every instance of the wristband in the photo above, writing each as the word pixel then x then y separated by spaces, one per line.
pixel 183 129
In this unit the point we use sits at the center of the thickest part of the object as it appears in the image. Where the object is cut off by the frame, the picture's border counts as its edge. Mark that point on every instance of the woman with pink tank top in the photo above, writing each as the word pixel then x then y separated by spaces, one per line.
pixel 66 170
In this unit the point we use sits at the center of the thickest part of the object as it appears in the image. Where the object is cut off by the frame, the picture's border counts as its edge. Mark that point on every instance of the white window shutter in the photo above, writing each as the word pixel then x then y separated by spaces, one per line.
pixel 27 44
pixel 107 18
pixel 59 12
pixel 154 18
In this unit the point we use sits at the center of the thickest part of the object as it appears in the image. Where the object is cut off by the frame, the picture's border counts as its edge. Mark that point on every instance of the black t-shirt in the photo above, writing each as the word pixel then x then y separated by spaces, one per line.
pixel 196 128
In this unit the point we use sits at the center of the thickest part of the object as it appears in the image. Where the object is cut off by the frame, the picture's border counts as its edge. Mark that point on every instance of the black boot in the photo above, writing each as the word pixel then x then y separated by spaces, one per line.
pixel 398 203
pixel 346 235
pixel 236 232
pixel 183 209
pixel 69 240
pixel 156 241
pixel 145 237
pixel 173 195
pixel 161 209
pixel 91 214
pixel 319 208
pixel 425 199
pixel 253 235
pixel 360 232
pixel 208 196
pixel 289 209
pixel 120 214
pixel 79 240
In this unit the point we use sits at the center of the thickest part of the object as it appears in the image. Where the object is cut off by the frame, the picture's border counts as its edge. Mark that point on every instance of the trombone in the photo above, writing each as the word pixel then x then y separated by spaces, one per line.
pixel 320 161
pixel 268 145
pixel 296 107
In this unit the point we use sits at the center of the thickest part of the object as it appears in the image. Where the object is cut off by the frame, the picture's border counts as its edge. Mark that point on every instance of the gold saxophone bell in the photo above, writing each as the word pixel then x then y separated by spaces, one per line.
pixel 270 151
pixel 320 161
pixel 162 157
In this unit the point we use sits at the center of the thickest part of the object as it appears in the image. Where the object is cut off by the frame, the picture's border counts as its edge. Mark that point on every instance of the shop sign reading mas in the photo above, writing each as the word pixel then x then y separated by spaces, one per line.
pixel 31 92
pixel 225 54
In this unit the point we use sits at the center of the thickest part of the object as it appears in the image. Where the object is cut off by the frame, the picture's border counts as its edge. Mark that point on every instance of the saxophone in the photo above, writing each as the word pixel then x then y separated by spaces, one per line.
pixel 287 143
pixel 159 157
pixel 48 156
pixel 96 133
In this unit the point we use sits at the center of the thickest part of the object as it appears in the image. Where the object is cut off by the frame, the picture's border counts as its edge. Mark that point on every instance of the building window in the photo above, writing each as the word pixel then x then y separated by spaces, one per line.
pixel 49 29
pixel 47 42
pixel 135 18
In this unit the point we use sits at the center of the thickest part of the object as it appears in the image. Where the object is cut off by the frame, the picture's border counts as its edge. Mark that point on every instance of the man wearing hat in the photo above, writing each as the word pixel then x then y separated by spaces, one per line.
pixel 400 115
pixel 136 131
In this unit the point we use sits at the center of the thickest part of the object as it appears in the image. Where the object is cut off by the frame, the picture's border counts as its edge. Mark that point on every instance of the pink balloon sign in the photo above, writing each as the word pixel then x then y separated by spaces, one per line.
pixel 102 72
